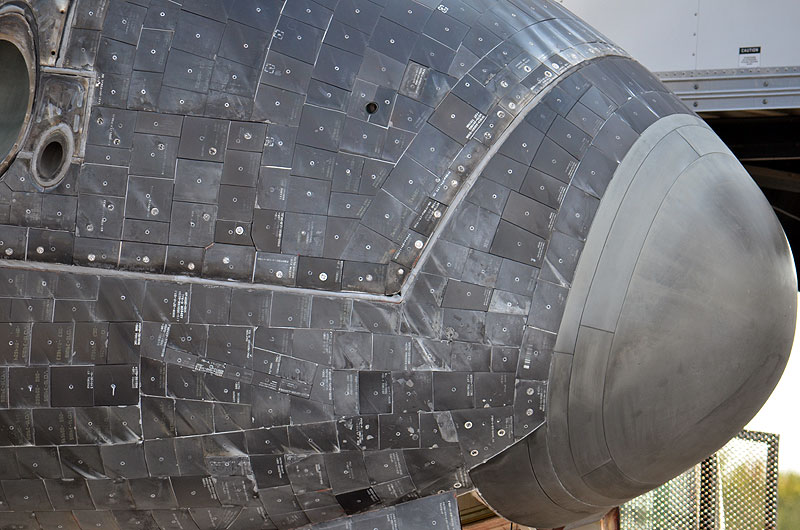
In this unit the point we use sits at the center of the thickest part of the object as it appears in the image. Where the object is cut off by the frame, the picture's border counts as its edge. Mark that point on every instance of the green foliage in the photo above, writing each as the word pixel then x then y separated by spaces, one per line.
pixel 789 501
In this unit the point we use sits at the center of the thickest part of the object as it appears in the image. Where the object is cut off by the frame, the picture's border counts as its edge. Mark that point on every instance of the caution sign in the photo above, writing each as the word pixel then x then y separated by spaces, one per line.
pixel 749 56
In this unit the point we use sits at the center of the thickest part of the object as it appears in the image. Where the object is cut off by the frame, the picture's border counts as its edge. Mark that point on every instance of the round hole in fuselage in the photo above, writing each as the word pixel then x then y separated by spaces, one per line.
pixel 52 156
pixel 51 160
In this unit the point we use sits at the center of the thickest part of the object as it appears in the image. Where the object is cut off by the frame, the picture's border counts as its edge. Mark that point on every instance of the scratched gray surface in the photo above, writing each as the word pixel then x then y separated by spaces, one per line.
pixel 235 141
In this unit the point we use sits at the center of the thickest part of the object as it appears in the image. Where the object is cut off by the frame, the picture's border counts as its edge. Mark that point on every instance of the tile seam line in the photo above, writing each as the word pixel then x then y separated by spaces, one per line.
pixel 466 186
pixel 414 271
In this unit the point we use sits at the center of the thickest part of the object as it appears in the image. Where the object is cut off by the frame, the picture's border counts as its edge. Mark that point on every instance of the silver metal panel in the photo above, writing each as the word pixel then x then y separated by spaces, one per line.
pixel 707 178
pixel 622 485
pixel 547 477
pixel 585 404
pixel 558 436
pixel 657 173
pixel 616 191
pixel 511 498
pixel 703 140
pixel 736 88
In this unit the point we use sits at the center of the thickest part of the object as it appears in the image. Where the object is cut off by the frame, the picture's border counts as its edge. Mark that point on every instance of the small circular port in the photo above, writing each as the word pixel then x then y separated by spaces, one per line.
pixel 51 159
pixel 372 107
pixel 51 156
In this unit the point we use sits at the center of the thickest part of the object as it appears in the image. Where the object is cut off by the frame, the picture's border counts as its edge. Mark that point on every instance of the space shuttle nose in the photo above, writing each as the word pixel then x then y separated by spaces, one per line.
pixel 677 327
pixel 683 315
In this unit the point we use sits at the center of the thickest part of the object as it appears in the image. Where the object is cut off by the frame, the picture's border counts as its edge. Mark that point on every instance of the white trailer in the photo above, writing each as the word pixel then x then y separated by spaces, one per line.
pixel 718 55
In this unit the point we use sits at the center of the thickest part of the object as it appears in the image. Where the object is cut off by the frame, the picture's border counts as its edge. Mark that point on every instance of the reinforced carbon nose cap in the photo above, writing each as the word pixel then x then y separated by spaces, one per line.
pixel 677 327
pixel 686 319
pixel 706 326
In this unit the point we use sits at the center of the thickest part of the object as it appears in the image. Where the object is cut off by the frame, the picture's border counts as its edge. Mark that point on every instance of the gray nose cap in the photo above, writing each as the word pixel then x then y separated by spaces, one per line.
pixel 682 315
pixel 706 326
pixel 677 328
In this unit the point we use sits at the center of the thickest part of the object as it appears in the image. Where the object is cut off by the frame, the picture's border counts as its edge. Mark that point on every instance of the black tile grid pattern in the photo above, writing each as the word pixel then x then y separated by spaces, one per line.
pixel 136 403
pixel 226 137
pixel 131 403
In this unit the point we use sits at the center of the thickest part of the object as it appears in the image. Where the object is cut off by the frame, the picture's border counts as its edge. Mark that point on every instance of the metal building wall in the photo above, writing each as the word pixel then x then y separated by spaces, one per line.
pixel 718 55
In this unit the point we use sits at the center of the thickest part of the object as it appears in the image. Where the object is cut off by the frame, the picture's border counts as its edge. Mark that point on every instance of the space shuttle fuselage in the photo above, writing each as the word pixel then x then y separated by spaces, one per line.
pixel 274 263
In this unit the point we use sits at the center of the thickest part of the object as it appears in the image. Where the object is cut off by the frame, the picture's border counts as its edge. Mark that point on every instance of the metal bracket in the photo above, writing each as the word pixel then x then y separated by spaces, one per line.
pixel 736 89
